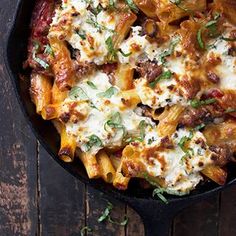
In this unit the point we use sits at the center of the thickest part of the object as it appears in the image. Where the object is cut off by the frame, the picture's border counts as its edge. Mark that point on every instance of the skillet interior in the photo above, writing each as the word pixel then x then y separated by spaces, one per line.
pixel 15 54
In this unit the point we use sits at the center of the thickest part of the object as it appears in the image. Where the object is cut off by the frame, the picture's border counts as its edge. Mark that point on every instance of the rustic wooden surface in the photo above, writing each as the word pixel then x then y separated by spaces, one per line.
pixel 37 197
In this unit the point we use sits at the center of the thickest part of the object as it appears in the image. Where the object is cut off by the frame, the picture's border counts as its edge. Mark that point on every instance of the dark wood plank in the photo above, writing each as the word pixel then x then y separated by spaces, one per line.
pixel 200 219
pixel 135 226
pixel 18 168
pixel 227 225
pixel 96 203
pixel 62 203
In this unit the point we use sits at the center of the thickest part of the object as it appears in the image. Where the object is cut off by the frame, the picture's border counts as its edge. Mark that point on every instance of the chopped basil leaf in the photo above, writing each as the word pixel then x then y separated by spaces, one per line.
pixel 95 24
pixel 48 50
pixel 111 50
pixel 111 4
pixel 195 103
pixel 182 142
pixel 122 223
pixel 84 229
pixel 228 39
pixel 171 49
pixel 108 93
pixel 94 140
pixel 178 4
pixel 106 216
pixel 41 62
pixel 115 122
pixel 142 126
pixel 198 127
pixel 125 54
pixel 78 92
pixel 229 110
pixel 91 85
pixel 132 5
pixel 159 193
pixel 106 212
pixel 151 140
pixel 164 75
pixel 199 39
pixel 82 34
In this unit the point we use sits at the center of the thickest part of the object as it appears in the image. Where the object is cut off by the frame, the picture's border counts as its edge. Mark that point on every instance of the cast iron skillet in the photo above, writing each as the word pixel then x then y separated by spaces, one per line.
pixel 157 216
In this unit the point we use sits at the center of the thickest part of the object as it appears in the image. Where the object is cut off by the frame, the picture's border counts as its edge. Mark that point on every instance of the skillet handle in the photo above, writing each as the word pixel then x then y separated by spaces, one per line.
pixel 157 216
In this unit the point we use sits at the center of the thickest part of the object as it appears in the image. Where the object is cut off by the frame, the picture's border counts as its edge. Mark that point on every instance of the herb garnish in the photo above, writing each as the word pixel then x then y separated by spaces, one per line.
pixel 125 54
pixel 86 228
pixel 106 216
pixel 171 49
pixel 78 92
pixel 48 50
pixel 41 62
pixel 188 151
pixel 159 193
pixel 230 110
pixel 212 27
pixel 178 4
pixel 228 39
pixel 82 34
pixel 91 85
pixel 95 24
pixel 115 122
pixel 111 50
pixel 108 93
pixel 132 5
pixel 195 103
pixel 164 75
pixel 198 127
pixel 94 140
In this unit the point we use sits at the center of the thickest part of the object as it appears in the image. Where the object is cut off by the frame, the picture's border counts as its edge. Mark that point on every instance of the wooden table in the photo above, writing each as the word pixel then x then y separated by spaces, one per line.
pixel 37 196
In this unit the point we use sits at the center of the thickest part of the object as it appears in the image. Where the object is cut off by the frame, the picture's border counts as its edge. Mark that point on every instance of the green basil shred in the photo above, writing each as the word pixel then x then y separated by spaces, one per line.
pixel 164 75
pixel 108 93
pixel 94 140
pixel 106 216
pixel 78 92
pixel 132 5
pixel 195 103
pixel 84 230
pixel 91 85
pixel 41 62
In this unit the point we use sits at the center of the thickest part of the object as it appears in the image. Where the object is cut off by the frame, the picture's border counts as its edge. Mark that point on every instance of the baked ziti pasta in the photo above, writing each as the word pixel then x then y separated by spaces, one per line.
pixel 141 89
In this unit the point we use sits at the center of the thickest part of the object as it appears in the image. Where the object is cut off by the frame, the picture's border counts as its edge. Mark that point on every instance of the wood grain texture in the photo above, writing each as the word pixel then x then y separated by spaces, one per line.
pixel 62 208
pixel 135 226
pixel 18 172
pixel 227 225
pixel 96 203
pixel 200 219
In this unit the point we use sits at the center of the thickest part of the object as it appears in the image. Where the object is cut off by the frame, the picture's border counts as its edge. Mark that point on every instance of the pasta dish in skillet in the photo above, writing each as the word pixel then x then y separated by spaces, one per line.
pixel 138 88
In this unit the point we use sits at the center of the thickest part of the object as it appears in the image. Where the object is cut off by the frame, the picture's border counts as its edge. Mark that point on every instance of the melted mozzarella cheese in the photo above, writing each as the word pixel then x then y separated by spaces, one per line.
pixel 101 111
pixel 226 70
pixel 165 93
pixel 136 45
pixel 180 172
pixel 87 33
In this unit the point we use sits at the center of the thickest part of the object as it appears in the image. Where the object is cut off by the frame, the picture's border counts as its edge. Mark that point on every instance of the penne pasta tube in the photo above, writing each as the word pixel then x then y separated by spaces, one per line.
pixel 124 75
pixel 169 119
pixel 40 91
pixel 51 111
pixel 90 163
pixel 216 174
pixel 107 170
pixel 68 146
pixel 130 98
pixel 62 65
pixel 57 95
